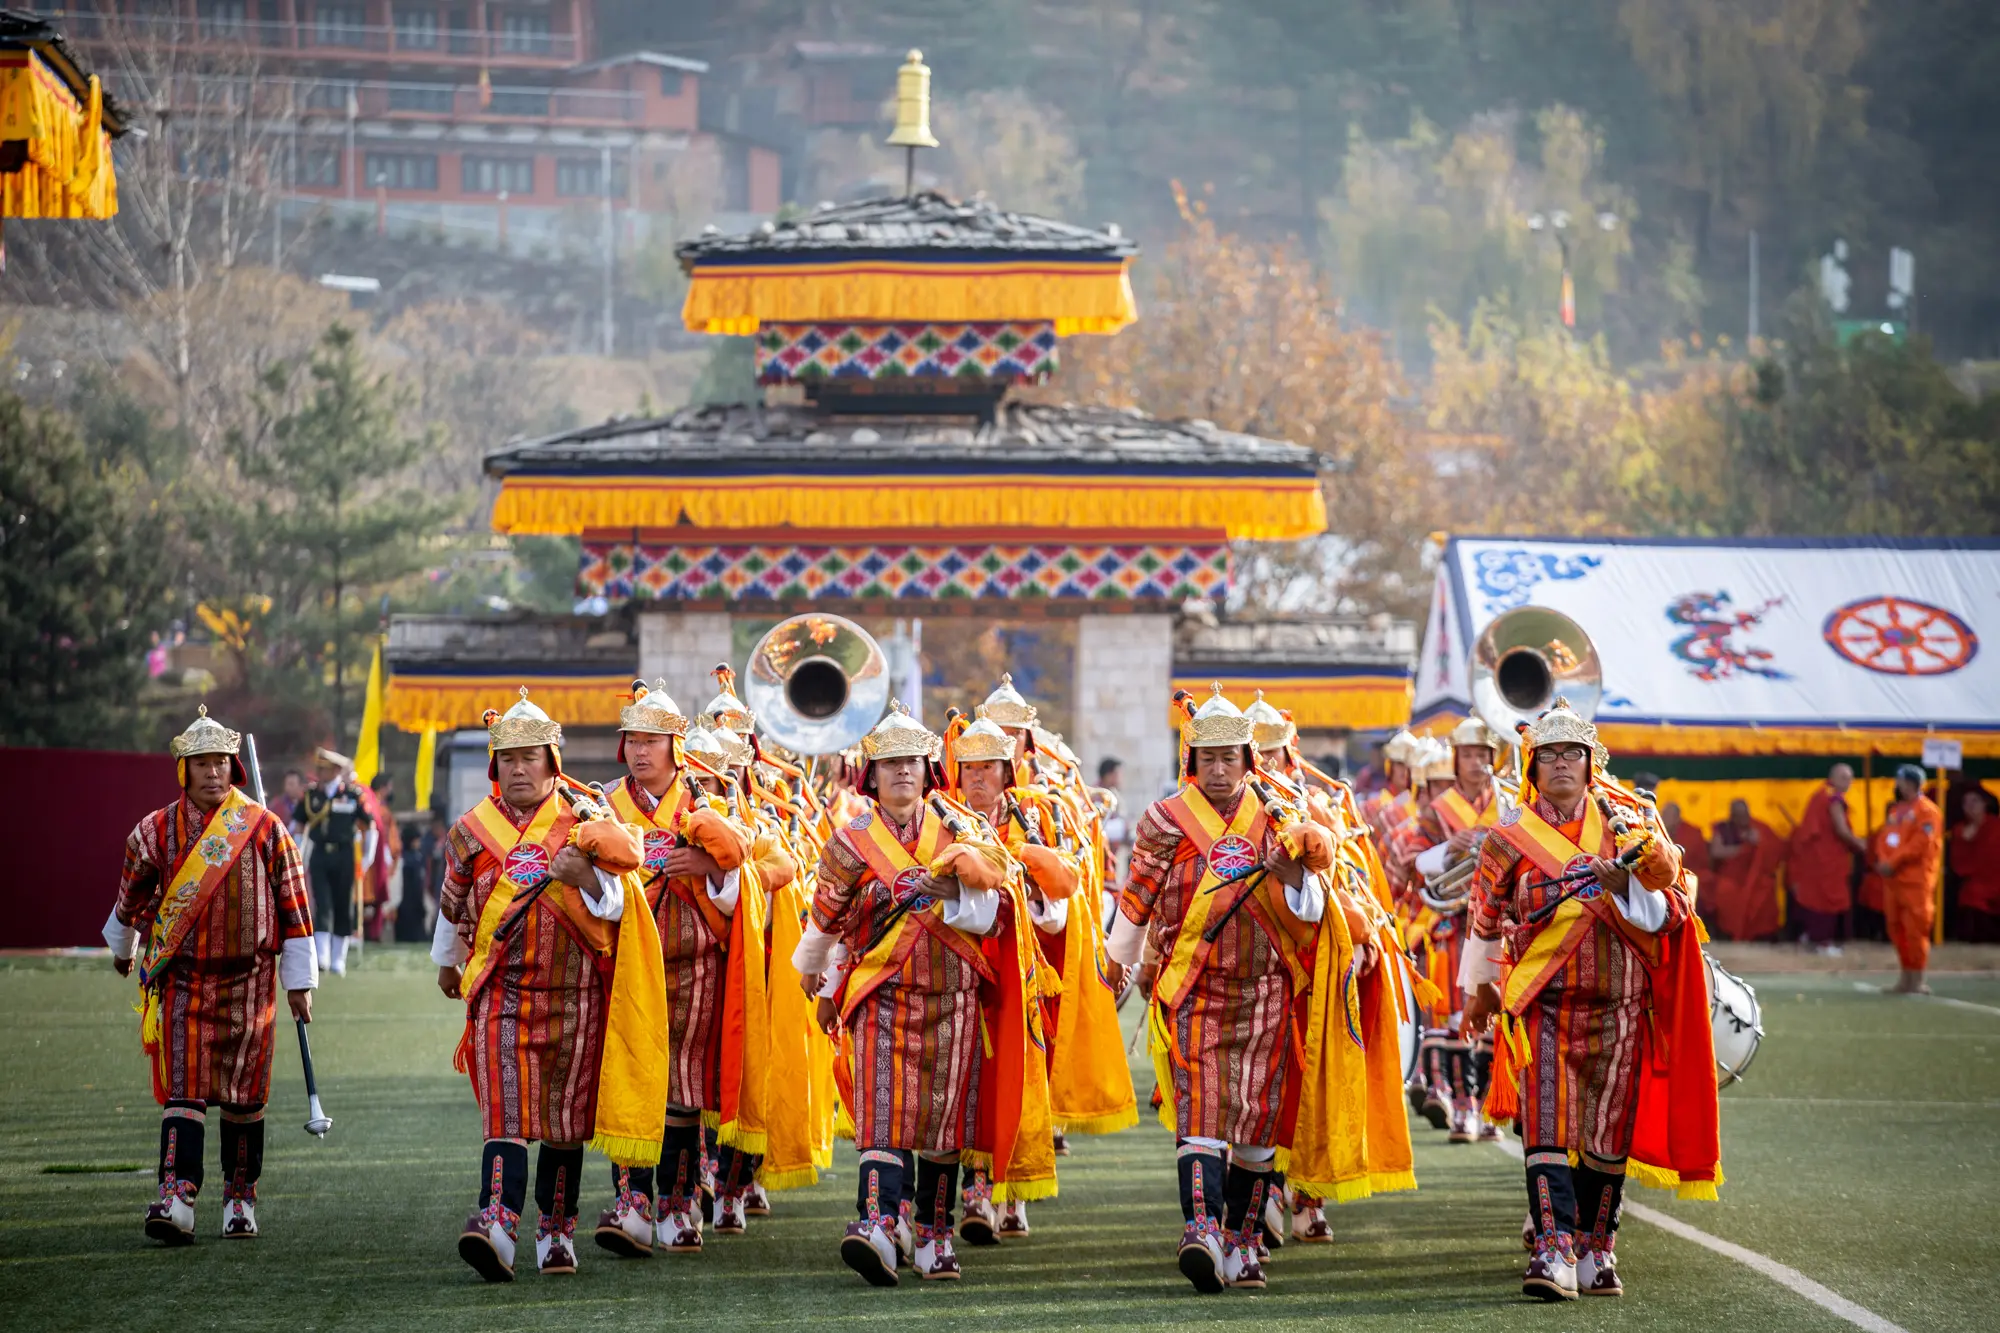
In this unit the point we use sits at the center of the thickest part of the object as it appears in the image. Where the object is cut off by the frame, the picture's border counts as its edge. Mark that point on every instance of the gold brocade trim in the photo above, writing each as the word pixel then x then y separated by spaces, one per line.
pixel 738 299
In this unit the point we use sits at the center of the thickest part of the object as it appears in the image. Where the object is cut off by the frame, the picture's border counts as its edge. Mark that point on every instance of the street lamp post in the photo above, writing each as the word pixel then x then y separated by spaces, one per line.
pixel 1556 223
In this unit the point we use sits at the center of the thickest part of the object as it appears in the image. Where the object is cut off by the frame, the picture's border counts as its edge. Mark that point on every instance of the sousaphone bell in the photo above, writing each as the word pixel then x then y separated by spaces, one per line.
pixel 818 683
pixel 1524 659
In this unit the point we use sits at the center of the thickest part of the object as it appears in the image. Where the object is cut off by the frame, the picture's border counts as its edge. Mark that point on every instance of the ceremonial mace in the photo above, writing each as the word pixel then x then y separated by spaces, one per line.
pixel 318 1122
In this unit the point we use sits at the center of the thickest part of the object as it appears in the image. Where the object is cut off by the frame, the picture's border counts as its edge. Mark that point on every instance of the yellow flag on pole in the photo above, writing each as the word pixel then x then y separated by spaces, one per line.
pixel 426 766
pixel 368 749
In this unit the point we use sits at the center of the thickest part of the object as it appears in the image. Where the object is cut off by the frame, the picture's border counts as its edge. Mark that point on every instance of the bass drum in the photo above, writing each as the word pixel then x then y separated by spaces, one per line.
pixel 1409 1031
pixel 1738 1021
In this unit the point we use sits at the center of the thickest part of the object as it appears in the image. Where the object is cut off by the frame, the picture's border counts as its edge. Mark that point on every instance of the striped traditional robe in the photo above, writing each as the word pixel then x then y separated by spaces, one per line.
pixel 1586 1026
pixel 914 1039
pixel 535 1032
pixel 1234 1025
pixel 218 996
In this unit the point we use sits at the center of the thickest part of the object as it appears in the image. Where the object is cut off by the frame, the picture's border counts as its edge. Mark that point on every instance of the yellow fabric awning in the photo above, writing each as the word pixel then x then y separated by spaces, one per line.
pixel 1317 702
pixel 1092 296
pixel 68 172
pixel 446 703
pixel 1245 508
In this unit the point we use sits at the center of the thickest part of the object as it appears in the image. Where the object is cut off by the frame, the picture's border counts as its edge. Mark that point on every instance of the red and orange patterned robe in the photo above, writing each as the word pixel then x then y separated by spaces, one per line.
pixel 535 1031
pixel 219 993
pixel 915 1038
pixel 1586 1025
pixel 1234 1026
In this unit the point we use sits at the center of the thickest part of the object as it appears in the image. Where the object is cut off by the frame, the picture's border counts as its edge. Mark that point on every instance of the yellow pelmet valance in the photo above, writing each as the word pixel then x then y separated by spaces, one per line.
pixel 1623 738
pixel 1246 508
pixel 738 299
pixel 1318 703
pixel 68 173
pixel 446 703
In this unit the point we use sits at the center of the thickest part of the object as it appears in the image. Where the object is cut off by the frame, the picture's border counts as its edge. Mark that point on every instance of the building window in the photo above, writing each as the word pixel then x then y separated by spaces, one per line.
pixel 403 171
pixel 583 177
pixel 491 175
pixel 319 167
pixel 339 25
pixel 670 82
pixel 520 102
pixel 524 34
pixel 420 97
pixel 416 29
pixel 222 20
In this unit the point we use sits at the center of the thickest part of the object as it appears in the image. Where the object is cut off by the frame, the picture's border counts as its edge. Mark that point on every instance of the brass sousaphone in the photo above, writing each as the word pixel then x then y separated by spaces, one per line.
pixel 818 683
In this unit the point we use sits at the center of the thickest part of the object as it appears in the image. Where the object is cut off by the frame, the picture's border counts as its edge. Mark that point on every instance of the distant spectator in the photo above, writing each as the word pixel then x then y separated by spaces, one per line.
pixel 1747 853
pixel 1975 858
pixel 1820 868
pixel 286 803
pixel 1694 857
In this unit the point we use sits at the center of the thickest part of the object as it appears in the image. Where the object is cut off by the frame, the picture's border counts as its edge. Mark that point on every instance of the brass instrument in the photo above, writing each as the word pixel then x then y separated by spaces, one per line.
pixel 818 683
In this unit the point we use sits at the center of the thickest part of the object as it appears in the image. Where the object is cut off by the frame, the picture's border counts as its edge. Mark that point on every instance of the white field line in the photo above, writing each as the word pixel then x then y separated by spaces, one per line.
pixel 1866 989
pixel 1787 1277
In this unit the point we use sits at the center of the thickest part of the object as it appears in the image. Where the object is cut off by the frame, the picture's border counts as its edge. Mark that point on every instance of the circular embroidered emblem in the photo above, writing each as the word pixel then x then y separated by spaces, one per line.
pixel 1896 636
pixel 1510 816
pixel 1232 856
pixel 1588 888
pixel 904 890
pixel 658 843
pixel 214 849
pixel 860 821
pixel 528 866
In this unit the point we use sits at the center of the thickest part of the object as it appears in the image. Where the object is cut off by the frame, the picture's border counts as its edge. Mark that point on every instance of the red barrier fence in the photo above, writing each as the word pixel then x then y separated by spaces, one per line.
pixel 64 817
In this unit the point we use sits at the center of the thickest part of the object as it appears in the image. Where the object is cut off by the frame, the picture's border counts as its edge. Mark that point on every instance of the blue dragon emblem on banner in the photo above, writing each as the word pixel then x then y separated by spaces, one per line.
pixel 1507 579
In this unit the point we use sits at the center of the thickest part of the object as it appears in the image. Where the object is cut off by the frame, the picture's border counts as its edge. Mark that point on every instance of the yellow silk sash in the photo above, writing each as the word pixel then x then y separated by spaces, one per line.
pixel 204 865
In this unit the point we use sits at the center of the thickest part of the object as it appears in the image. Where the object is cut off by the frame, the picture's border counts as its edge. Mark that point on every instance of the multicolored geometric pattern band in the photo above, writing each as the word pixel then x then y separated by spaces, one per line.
pixel 647 571
pixel 1022 351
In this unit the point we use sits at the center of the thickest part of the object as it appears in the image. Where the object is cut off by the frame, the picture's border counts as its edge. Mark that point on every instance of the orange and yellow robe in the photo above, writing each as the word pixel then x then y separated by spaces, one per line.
pixel 215 898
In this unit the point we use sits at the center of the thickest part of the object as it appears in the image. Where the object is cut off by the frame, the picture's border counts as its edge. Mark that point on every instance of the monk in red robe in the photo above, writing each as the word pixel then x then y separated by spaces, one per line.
pixel 1694 856
pixel 1747 853
pixel 1821 863
pixel 1975 859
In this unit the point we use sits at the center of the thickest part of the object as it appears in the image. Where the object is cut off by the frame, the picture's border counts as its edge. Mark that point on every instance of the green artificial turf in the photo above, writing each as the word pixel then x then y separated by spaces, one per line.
pixel 1864 1151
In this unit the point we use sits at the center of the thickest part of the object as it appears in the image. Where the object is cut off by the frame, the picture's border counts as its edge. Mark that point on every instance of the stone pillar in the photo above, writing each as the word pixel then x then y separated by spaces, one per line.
pixel 1124 683
pixel 682 648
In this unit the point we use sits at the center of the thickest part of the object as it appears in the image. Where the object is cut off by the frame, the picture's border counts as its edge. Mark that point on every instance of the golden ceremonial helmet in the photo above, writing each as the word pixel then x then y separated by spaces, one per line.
pixel 205 735
pixel 705 746
pixel 1433 762
pixel 1269 728
pixel 725 709
pixel 652 710
pixel 1217 722
pixel 1473 731
pixel 521 726
pixel 982 742
pixel 900 736
pixel 1006 707
pixel 1559 725
pixel 735 749
pixel 1400 748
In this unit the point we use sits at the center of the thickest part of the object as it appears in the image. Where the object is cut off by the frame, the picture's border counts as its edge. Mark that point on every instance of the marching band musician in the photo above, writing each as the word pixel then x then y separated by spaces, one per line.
pixel 1361 888
pixel 1454 823
pixel 1248 1020
pixel 565 1039
pixel 1394 801
pixel 917 945
pixel 711 953
pixel 1584 951
pixel 214 885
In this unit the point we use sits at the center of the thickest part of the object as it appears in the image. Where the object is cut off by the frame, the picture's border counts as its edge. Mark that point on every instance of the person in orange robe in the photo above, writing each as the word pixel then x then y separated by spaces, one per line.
pixel 1747 853
pixel 1912 842
pixel 1821 864
pixel 1694 856
pixel 1975 858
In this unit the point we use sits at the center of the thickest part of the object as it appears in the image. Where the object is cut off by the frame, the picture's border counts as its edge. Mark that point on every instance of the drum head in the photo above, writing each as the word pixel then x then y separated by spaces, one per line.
pixel 1409 1032
pixel 1737 1020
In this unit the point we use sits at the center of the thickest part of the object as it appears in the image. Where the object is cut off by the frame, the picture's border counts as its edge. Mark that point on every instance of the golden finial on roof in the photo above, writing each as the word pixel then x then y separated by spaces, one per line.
pixel 913 115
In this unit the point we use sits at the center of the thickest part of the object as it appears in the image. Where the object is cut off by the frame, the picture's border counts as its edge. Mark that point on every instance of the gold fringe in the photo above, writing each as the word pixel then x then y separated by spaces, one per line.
pixel 1336 1191
pixel 733 1135
pixel 1245 508
pixel 1099 1124
pixel 972 1159
pixel 1024 1191
pixel 1392 1182
pixel 628 1151
pixel 445 703
pixel 798 1178
pixel 737 299
pixel 1358 703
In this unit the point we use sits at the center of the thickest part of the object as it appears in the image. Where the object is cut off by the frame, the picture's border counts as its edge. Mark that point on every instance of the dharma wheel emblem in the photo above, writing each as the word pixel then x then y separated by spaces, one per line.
pixel 1896 636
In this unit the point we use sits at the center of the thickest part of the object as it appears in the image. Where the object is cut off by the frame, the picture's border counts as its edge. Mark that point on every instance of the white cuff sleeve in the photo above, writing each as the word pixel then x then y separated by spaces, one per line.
pixel 1430 861
pixel 447 950
pixel 1643 907
pixel 123 939
pixel 298 964
pixel 610 906
pixel 814 952
pixel 1128 939
pixel 371 841
pixel 830 981
pixel 1050 916
pixel 724 895
pixel 1479 964
pixel 1308 900
pixel 974 912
